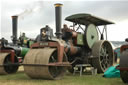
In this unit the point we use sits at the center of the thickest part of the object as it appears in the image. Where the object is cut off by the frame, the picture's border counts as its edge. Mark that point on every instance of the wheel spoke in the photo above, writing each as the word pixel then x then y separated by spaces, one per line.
pixel 104 57
pixel 53 59
pixel 101 61
pixel 102 52
pixel 103 65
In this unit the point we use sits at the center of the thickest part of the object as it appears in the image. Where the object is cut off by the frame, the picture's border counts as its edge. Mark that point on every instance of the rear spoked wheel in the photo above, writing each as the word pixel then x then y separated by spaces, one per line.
pixel 103 55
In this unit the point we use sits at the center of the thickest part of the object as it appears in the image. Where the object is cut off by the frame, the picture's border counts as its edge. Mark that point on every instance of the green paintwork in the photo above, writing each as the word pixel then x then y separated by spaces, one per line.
pixel 80 40
pixel 85 19
pixel 117 52
pixel 91 35
pixel 24 51
pixel 30 43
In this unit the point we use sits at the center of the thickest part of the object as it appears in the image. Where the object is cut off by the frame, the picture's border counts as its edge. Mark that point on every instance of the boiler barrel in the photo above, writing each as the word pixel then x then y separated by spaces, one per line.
pixel 72 50
pixel 24 51
pixel 21 51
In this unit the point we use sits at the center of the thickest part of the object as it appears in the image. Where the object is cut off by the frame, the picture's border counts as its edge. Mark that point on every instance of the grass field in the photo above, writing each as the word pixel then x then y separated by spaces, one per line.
pixel 21 79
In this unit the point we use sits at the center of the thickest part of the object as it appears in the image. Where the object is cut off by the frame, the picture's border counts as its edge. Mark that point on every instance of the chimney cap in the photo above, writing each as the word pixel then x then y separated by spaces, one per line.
pixel 14 16
pixel 58 5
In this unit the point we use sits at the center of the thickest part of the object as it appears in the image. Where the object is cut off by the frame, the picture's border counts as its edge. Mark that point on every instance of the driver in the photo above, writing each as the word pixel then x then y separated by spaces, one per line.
pixel 46 33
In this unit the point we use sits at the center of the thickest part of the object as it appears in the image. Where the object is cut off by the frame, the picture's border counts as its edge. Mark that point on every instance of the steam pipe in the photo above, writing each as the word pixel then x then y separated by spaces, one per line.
pixel 58 16
pixel 14 29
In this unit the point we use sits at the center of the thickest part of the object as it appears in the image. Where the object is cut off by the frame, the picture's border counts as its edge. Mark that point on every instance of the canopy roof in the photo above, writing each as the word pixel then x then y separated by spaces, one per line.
pixel 86 19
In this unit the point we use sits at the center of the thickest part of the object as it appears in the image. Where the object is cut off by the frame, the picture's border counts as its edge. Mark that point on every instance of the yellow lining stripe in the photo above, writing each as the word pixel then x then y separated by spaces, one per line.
pixel 58 5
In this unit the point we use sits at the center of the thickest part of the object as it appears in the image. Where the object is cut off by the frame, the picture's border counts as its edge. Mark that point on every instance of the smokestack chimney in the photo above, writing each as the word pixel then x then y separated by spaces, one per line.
pixel 14 29
pixel 58 15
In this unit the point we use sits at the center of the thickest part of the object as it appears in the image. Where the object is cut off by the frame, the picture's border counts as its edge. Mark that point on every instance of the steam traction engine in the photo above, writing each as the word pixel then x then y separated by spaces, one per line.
pixel 11 54
pixel 123 66
pixel 50 58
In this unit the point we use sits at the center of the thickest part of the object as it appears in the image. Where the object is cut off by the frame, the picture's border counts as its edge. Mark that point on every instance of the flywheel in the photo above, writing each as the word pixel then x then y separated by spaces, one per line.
pixel 91 35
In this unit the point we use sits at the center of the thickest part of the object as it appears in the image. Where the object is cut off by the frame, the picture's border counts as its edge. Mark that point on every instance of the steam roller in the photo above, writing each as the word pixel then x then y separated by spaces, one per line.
pixel 11 57
pixel 50 56
pixel 11 53
pixel 123 66
pixel 9 60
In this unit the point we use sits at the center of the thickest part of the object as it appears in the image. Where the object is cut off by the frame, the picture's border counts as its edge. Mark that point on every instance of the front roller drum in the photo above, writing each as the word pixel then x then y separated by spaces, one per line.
pixel 124 63
pixel 6 65
pixel 103 55
pixel 36 64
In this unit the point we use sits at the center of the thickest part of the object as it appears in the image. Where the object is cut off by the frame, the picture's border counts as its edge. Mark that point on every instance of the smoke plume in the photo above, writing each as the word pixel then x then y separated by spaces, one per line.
pixel 36 6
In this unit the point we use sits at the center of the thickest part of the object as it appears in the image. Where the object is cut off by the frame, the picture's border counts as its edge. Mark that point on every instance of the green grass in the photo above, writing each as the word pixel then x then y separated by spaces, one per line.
pixel 21 79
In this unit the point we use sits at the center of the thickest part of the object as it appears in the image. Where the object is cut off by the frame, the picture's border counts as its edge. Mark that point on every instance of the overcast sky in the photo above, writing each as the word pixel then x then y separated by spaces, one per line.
pixel 34 14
